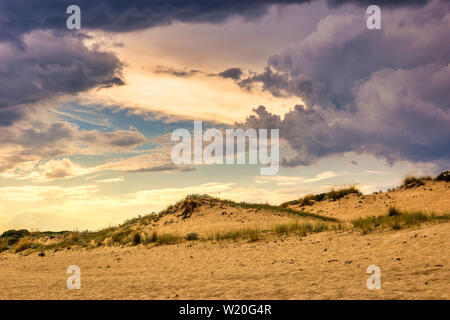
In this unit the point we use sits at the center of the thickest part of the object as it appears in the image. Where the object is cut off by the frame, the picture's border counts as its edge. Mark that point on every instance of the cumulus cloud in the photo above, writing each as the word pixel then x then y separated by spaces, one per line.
pixel 58 168
pixel 29 141
pixel 381 92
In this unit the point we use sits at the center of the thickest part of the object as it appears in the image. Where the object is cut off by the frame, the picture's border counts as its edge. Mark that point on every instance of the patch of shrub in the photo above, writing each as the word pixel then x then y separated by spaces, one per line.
pixel 121 235
pixel 193 236
pixel 252 234
pixel 443 176
pixel 393 211
pixel 3 245
pixel 13 240
pixel 167 238
pixel 397 221
pixel 154 237
pixel 19 233
pixel 118 236
pixel 340 193
pixel 23 244
pixel 136 238
pixel 333 195
pixel 74 237
pixel 302 229
pixel 412 181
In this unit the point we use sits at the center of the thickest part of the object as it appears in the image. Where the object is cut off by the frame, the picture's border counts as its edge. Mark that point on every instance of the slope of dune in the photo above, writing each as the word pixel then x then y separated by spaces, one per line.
pixel 206 215
pixel 431 197
pixel 415 264
pixel 304 262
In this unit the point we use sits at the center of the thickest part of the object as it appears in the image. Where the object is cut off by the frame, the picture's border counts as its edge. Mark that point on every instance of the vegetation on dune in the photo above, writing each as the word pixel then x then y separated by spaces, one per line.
pixel 302 229
pixel 167 238
pixel 443 176
pixel 192 236
pixel 396 219
pixel 412 181
pixel 131 232
pixel 331 195
pixel 22 244
pixel 252 234
pixel 269 207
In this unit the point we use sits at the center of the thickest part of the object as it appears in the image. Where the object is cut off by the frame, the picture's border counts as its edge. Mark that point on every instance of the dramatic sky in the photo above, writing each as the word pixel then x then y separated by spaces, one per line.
pixel 86 115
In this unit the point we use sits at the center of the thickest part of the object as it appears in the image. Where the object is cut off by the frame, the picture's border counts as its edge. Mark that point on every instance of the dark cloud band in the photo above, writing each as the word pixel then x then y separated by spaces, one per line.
pixel 18 17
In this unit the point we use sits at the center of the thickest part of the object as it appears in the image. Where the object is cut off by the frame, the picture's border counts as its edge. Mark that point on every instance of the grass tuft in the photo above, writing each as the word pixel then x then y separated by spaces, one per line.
pixel 23 244
pixel 137 238
pixel 412 181
pixel 396 221
pixel 167 238
pixel 193 236
pixel 332 195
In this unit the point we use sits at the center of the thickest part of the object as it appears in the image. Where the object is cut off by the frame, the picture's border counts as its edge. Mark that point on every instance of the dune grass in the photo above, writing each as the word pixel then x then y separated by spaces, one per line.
pixel 413 181
pixel 332 195
pixel 251 234
pixel 22 244
pixel 304 228
pixel 130 232
pixel 167 238
pixel 268 207
pixel 396 219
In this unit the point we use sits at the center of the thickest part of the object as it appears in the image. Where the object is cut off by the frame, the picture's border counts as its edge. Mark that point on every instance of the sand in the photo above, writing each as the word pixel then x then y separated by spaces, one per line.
pixel 220 217
pixel 432 197
pixel 415 264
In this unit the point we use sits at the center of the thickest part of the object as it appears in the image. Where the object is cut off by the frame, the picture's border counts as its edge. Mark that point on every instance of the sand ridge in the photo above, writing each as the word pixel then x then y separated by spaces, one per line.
pixel 433 196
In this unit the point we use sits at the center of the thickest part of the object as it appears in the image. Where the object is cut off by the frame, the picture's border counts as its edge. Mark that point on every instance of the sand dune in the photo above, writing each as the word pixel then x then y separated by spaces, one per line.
pixel 433 196
pixel 207 216
pixel 331 264
pixel 415 264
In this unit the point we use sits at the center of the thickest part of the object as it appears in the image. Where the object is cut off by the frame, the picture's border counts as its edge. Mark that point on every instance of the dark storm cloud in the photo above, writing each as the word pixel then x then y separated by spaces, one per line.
pixel 21 16
pixel 382 92
pixel 116 81
pixel 49 66
pixel 382 3
pixel 43 66
pixel 279 84
pixel 232 73
pixel 9 115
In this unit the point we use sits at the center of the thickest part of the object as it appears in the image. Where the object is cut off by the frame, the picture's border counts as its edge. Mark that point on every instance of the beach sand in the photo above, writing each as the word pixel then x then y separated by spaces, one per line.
pixel 415 264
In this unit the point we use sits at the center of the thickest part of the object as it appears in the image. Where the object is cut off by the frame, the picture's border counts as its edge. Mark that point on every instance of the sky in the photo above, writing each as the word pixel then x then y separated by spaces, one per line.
pixel 86 116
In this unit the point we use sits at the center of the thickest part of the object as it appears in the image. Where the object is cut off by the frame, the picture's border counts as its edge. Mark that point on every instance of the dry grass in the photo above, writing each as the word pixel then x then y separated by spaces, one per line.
pixel 412 181
pixel 23 244
pixel 332 195
pixel 201 217
pixel 396 219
